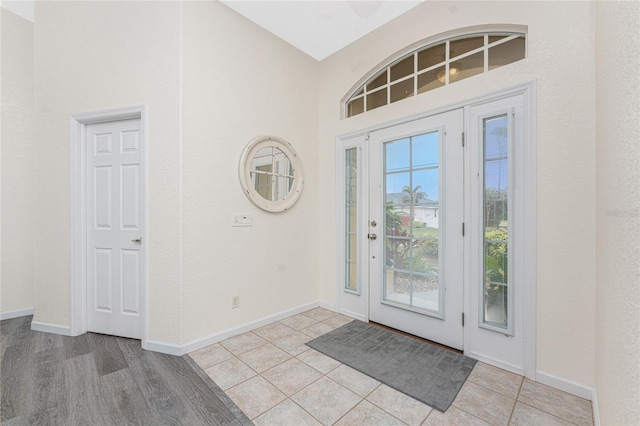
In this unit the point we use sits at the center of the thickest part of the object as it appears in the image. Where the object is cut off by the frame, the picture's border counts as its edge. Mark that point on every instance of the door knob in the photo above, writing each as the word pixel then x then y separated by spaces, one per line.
pixel 372 237
pixel 137 240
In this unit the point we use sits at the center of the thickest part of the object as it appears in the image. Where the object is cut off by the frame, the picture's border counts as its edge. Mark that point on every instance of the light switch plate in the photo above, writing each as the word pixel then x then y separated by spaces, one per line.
pixel 242 219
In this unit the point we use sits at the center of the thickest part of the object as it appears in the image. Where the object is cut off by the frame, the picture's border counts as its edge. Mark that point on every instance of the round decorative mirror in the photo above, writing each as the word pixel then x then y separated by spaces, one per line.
pixel 271 174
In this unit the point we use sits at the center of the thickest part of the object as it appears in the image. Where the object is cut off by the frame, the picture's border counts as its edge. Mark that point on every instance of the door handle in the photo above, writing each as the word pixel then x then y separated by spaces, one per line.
pixel 372 237
pixel 137 240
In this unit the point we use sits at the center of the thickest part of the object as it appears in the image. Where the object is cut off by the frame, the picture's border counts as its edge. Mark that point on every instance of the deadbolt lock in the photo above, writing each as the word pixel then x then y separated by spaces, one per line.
pixel 374 223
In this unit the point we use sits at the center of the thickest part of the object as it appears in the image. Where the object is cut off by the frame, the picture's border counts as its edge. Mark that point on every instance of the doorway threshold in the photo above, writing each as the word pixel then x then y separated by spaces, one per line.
pixel 415 337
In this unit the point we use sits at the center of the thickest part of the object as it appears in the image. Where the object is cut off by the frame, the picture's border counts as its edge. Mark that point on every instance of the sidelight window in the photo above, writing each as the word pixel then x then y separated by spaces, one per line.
pixel 351 219
pixel 496 213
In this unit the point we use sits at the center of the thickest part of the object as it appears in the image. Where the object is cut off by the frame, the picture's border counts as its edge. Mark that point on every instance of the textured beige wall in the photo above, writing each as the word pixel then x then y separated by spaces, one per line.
pixel 123 53
pixel 93 56
pixel 561 59
pixel 617 303
pixel 241 82
pixel 17 155
pixel 212 81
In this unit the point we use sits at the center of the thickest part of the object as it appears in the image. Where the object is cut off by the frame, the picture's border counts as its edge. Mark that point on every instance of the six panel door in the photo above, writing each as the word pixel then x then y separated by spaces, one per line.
pixel 114 228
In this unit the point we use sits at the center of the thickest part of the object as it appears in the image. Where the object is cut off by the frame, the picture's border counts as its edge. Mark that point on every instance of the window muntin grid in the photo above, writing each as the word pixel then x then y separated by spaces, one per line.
pixel 435 65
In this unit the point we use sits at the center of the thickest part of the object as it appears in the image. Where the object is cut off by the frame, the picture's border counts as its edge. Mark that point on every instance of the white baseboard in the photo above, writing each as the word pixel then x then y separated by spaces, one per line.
pixel 565 385
pixel 596 411
pixel 328 306
pixel 354 315
pixel 51 328
pixel 165 348
pixel 16 314
pixel 173 349
pixel 496 363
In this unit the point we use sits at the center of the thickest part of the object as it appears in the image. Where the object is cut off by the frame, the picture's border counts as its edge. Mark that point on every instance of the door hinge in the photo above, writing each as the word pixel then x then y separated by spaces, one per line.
pixel 463 319
pixel 462 138
pixel 463 229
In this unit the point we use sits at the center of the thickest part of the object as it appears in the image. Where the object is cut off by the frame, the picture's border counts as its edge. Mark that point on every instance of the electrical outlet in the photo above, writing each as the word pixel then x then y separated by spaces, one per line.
pixel 242 219
pixel 235 302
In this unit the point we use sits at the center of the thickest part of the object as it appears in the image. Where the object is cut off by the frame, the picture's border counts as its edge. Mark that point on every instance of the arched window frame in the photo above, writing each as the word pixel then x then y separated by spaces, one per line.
pixel 358 89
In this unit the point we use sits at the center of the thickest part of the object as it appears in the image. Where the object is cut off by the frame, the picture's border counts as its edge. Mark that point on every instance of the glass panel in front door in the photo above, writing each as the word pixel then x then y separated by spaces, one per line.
pixel 496 223
pixel 412 223
pixel 351 219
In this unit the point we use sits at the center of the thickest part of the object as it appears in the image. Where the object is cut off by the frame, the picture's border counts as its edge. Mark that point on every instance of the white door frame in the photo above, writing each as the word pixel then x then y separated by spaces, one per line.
pixel 78 209
pixel 347 301
pixel 444 326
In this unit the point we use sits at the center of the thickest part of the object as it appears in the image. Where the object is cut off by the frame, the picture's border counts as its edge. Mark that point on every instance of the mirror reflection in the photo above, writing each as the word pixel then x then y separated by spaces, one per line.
pixel 272 174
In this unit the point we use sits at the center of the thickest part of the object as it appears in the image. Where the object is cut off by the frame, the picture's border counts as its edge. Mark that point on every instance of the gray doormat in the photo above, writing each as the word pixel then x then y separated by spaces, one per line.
pixel 423 371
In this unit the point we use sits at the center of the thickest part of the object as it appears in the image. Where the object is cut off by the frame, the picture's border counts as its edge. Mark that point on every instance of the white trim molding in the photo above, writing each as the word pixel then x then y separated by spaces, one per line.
pixel 78 209
pixel 565 385
pixel 496 363
pixel 594 407
pixel 444 37
pixel 174 349
pixel 51 328
pixel 16 314
pixel 162 347
pixel 481 342
pixel 328 306
pixel 354 315
pixel 349 304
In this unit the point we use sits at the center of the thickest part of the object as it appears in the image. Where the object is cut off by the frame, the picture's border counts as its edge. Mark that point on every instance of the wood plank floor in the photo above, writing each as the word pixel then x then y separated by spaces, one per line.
pixel 95 379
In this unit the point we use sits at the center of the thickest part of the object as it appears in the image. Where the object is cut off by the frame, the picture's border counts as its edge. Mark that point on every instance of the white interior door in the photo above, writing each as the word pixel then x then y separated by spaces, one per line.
pixel 416 214
pixel 114 228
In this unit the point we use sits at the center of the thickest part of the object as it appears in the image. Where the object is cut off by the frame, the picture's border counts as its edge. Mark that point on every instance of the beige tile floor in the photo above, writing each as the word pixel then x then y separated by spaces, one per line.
pixel 276 379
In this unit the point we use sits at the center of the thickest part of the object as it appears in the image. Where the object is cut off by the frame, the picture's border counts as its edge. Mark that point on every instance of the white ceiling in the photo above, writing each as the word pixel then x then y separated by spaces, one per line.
pixel 320 28
pixel 22 8
pixel 317 27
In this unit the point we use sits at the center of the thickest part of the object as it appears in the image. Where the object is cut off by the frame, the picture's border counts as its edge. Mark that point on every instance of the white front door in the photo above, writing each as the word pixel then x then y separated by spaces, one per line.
pixel 406 191
pixel 114 228
pixel 415 227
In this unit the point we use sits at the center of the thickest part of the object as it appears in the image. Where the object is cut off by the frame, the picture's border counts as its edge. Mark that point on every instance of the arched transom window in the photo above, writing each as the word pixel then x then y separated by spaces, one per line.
pixel 435 65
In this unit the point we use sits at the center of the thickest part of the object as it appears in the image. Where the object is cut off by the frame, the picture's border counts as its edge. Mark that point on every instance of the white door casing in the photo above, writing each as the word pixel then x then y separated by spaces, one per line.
pixel 514 350
pixel 79 209
pixel 114 228
pixel 502 345
pixel 433 314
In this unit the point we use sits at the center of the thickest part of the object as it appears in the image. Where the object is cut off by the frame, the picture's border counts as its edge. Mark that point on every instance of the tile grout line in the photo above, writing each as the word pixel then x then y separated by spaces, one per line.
pixel 269 341
pixel 546 412
pixel 349 410
pixel 323 375
pixel 299 390
pixel 317 321
pixel 466 412
pixel 513 410
pixel 231 401
pixel 551 414
pixel 237 356
pixel 395 417
pixel 288 397
pixel 495 391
